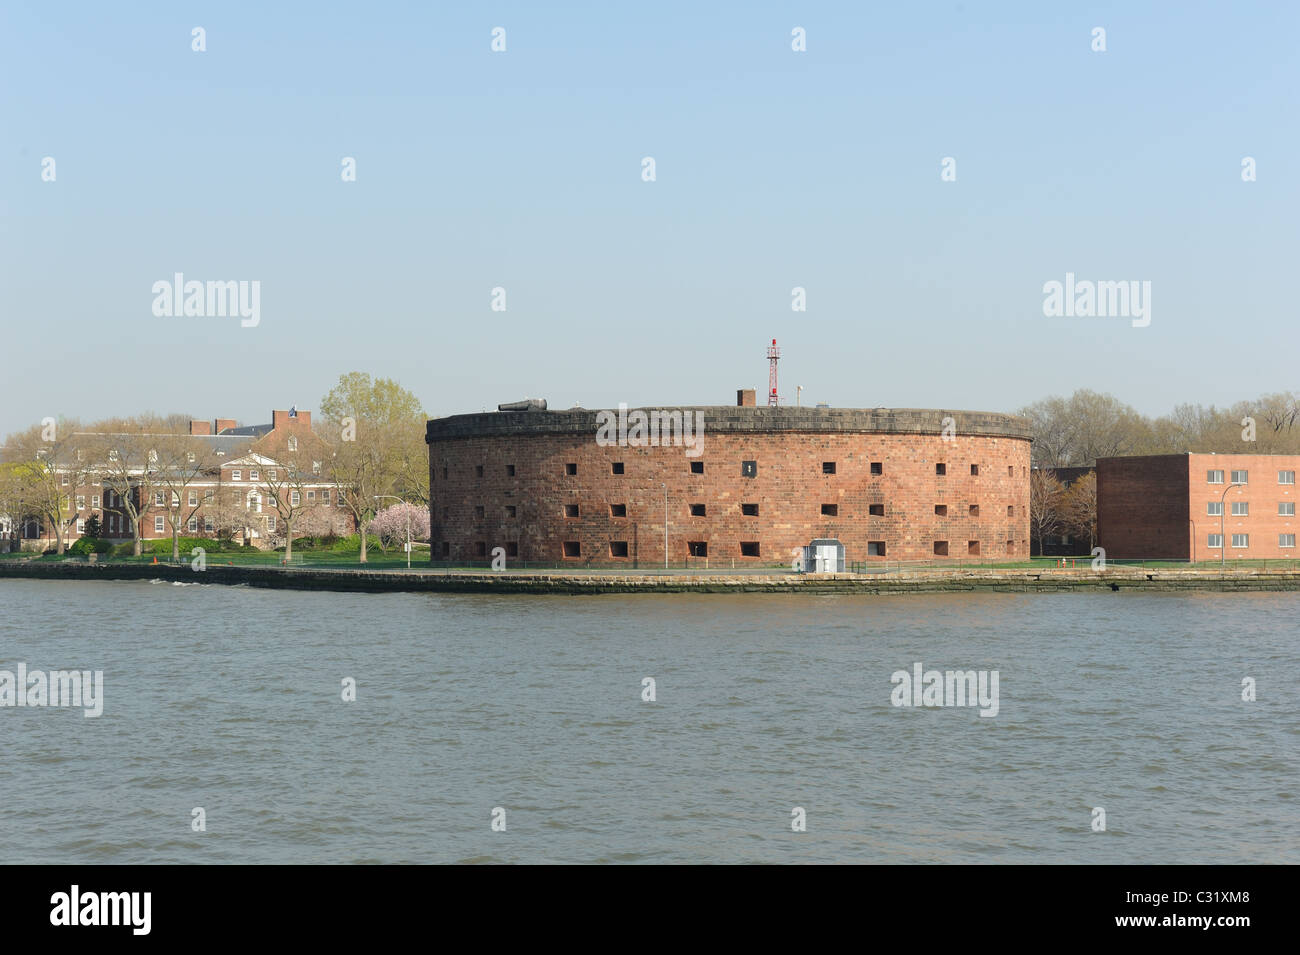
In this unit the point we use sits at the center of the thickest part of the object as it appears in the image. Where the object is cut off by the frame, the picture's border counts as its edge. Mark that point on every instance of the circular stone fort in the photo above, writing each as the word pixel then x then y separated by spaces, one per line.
pixel 727 486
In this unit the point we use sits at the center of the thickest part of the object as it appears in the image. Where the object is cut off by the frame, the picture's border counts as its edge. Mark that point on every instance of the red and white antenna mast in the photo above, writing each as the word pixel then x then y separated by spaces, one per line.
pixel 773 355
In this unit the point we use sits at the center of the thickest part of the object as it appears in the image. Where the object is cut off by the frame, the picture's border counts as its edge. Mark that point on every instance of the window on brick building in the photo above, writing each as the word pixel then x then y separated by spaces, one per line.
pixel 697 467
pixel 875 548
pixel 876 510
pixel 81 525
pixel 1011 510
pixel 512 548
pixel 444 472
pixel 325 497
pixel 570 510
pixel 194 499
pixel 571 468
pixel 192 525
pixel 511 511
pixel 1213 477
pixel 207 525
pixel 618 548
pixel 478 470
pixel 1286 509
pixel 749 510
pixel 236 475
pixel 941 510
pixel 973 548
pixel 974 510
pixel 273 474
pixel 1239 477
pixel 828 467
pixel 877 467
pixel 294 498
pixel 479 511
pixel 1240 508
pixel 159 525
pixel 480 548
pixel 510 470
pixel 1285 540
pixel 94 500
pixel 749 469
pixel 940 548
pixel 698 548
pixel 749 549
pixel 81 502
pixel 270 523
pixel 1011 470
pixel 254 476
pixel 616 467
pixel 1285 477
pixel 940 469
pixel 618 510
pixel 698 510
pixel 1214 508
pixel 1240 540
pixel 1011 547
pixel 830 510
pixel 572 549
pixel 974 470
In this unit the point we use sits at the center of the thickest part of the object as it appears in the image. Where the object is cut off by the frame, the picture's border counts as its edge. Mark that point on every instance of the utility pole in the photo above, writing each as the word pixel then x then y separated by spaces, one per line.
pixel 665 487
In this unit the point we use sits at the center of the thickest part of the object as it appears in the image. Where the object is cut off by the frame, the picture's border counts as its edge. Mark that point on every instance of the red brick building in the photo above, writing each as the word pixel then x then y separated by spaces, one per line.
pixel 1186 507
pixel 759 485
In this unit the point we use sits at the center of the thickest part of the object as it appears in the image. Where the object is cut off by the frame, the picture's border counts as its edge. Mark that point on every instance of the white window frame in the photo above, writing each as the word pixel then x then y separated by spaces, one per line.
pixel 1214 542
pixel 194 498
pixel 1241 508
pixel 1285 540
pixel 1214 476
pixel 1244 479
pixel 1214 508
pixel 159 524
pixel 292 443
pixel 81 526
pixel 192 525
pixel 294 498
pixel 1285 477
pixel 1245 541
pixel 270 524
pixel 158 498
pixel 94 501
pixel 253 475
pixel 207 524
pixel 1286 508
pixel 237 474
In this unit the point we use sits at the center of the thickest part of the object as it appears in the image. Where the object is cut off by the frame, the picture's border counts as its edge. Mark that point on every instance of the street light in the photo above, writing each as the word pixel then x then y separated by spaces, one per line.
pixel 1223 541
pixel 408 525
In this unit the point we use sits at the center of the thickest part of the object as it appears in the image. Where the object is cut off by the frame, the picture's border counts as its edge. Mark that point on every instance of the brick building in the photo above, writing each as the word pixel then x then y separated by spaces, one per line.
pixel 1186 507
pixel 760 484
pixel 235 476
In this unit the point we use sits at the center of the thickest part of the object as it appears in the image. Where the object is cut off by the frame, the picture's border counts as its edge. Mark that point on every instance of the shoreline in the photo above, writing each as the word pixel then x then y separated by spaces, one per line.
pixel 564 582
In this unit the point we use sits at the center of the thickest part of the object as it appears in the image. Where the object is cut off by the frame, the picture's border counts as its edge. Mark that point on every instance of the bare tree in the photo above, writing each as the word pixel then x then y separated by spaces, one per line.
pixel 1046 499
pixel 183 461
pixel 51 463
pixel 127 463
pixel 1079 509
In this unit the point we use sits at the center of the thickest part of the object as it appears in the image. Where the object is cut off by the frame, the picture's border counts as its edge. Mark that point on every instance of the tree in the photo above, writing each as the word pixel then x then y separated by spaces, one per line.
pixel 375 433
pixel 1079 509
pixel 293 471
pixel 127 464
pixel 50 464
pixel 1075 431
pixel 93 527
pixel 1046 497
pixel 183 460
pixel 392 523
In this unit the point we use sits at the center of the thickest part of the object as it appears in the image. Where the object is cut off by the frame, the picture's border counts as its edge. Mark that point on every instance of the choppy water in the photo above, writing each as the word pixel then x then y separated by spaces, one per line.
pixel 230 699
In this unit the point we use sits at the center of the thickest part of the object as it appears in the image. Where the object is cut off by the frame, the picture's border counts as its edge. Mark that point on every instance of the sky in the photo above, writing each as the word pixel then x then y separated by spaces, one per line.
pixel 522 169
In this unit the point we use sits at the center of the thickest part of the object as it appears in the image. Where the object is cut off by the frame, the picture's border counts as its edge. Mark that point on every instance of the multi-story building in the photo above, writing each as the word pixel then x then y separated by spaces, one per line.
pixel 1198 506
pixel 219 479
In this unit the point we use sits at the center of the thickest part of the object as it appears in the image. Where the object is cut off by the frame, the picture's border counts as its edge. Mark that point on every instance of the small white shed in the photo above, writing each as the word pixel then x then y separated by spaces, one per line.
pixel 823 556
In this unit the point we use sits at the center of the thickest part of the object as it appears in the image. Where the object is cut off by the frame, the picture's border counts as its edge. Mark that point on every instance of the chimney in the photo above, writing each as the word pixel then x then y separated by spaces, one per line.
pixel 200 427
pixel 221 424
pixel 285 419
pixel 745 398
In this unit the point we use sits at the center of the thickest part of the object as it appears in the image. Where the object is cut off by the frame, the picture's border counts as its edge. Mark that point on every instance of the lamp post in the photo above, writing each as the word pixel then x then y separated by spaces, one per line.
pixel 408 525
pixel 1223 541
pixel 665 487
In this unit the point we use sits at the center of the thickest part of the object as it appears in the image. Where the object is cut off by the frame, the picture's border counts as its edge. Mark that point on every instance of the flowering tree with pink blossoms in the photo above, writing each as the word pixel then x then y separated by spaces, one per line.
pixel 390 524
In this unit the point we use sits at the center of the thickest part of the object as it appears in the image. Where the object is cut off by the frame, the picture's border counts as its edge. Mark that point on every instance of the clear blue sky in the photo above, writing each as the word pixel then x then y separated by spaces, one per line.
pixel 523 170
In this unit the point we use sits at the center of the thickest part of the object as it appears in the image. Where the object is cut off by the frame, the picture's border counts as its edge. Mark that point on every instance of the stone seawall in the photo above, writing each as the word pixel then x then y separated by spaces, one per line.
pixel 381 581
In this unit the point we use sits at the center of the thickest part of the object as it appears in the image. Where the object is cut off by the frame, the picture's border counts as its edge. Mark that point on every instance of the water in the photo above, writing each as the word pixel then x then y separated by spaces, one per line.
pixel 230 699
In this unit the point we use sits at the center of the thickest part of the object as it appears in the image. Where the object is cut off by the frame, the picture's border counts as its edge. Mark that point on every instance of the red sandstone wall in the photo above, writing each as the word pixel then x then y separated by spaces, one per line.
pixel 790 488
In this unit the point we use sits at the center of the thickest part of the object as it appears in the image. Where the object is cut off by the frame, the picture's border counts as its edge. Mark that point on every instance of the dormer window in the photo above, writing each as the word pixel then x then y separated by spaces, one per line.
pixel 315 467
pixel 293 442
